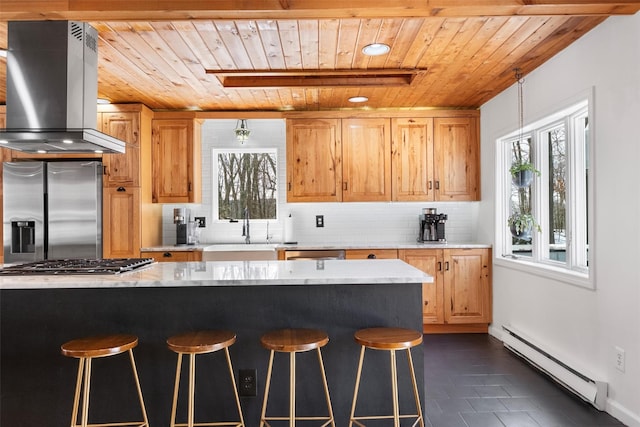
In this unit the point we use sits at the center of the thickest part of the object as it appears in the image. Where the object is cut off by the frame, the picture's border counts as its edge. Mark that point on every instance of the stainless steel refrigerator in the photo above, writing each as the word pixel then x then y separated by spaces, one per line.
pixel 52 210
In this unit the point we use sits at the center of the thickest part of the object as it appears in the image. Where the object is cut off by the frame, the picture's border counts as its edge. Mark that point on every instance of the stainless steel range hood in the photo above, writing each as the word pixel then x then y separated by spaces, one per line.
pixel 52 87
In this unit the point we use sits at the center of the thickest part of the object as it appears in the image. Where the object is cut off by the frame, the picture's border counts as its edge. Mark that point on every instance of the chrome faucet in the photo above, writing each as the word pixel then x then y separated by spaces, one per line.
pixel 245 227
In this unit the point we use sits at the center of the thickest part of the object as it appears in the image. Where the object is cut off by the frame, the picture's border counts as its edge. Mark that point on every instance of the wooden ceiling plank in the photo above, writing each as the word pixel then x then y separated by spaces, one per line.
pixel 327 43
pixel 500 65
pixel 271 43
pixel 230 36
pixel 398 35
pixel 192 70
pixel 252 40
pixel 347 39
pixel 290 38
pixel 193 40
pixel 458 53
pixel 211 38
pixel 309 43
pixel 368 31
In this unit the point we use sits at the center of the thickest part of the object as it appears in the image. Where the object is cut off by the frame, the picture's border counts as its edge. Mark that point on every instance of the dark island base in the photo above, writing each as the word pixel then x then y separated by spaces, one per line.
pixel 37 382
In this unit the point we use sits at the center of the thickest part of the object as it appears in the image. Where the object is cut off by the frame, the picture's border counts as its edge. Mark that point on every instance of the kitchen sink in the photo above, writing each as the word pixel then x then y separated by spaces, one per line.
pixel 239 252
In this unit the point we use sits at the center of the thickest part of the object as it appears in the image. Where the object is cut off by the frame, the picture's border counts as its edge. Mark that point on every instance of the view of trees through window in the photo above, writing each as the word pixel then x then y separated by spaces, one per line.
pixel 545 206
pixel 247 179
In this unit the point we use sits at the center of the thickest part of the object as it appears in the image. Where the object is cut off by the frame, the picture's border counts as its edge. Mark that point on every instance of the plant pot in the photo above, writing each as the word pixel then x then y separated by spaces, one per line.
pixel 522 179
pixel 521 234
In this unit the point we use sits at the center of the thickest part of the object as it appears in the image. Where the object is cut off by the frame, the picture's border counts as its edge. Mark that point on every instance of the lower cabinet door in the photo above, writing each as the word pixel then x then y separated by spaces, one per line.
pixel 466 286
pixel 121 222
pixel 429 261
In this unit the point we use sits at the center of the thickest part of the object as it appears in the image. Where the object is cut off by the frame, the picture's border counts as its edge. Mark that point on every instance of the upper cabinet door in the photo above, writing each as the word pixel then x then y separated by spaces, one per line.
pixel 122 169
pixel 176 161
pixel 412 157
pixel 314 160
pixel 456 169
pixel 366 153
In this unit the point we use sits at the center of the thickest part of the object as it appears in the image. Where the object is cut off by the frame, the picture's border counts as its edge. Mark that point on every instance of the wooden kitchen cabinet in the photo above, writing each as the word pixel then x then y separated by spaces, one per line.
pixel 456 158
pixel 435 159
pixel 371 254
pixel 130 219
pixel 121 222
pixel 334 160
pixel 122 169
pixel 176 155
pixel 314 160
pixel 173 256
pixel 366 165
pixel 459 299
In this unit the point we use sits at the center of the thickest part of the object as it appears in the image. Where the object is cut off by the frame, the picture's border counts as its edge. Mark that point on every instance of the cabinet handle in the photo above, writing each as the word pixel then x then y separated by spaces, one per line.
pixel 371 256
pixel 104 170
pixel 344 186
pixel 121 189
pixel 437 185
pixel 289 186
pixel 167 254
pixel 446 266
pixel 189 187
pixel 430 185
pixel 439 265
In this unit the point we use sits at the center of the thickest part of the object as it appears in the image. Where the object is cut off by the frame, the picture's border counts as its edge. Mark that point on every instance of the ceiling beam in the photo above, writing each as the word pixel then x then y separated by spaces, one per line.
pixel 129 10
pixel 239 79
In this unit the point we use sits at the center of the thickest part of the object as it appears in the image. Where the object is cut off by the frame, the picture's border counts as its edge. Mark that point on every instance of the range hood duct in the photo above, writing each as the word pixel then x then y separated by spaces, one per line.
pixel 52 87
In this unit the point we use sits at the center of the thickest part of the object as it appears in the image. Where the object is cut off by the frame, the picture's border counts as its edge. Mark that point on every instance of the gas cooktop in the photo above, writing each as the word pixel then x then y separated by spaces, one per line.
pixel 76 266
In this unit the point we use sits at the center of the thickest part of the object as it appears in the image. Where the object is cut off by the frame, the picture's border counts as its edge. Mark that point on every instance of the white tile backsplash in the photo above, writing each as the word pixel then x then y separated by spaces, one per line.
pixel 343 222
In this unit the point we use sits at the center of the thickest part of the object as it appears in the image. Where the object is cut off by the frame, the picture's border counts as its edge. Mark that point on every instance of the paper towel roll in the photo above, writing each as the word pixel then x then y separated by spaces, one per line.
pixel 288 229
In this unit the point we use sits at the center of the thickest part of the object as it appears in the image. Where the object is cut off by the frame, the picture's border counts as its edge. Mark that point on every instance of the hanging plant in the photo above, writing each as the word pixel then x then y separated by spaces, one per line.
pixel 522 174
pixel 522 224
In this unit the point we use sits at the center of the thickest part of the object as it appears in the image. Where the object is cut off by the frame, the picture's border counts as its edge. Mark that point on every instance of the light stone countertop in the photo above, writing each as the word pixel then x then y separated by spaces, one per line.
pixel 234 273
pixel 315 246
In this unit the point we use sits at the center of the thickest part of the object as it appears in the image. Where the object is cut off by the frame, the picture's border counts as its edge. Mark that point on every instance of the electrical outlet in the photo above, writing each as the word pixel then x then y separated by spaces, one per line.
pixel 201 221
pixel 319 220
pixel 619 361
pixel 247 382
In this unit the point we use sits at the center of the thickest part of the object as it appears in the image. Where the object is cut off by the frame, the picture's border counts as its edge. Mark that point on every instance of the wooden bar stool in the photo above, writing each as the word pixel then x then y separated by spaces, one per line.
pixel 293 341
pixel 86 349
pixel 201 342
pixel 390 339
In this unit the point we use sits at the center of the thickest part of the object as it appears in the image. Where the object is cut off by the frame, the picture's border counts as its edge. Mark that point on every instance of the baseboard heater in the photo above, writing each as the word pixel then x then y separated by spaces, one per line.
pixel 581 384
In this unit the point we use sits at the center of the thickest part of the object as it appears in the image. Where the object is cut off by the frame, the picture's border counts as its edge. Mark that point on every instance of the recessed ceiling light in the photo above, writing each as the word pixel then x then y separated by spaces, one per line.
pixel 3 141
pixel 67 141
pixel 376 49
pixel 358 99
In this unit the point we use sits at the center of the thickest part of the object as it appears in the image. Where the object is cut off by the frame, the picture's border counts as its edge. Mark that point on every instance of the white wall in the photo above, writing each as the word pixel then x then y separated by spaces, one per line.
pixel 582 324
pixel 344 222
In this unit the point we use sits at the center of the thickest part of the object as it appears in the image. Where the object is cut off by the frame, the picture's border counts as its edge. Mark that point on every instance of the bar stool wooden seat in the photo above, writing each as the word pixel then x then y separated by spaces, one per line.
pixel 294 341
pixel 86 349
pixel 194 343
pixel 389 339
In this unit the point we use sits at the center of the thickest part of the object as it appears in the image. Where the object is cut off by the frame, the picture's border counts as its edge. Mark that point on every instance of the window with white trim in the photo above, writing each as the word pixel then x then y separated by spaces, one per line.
pixel 544 196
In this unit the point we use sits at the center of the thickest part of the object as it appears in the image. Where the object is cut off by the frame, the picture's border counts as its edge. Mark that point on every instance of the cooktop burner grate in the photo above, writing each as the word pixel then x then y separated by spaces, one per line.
pixel 76 266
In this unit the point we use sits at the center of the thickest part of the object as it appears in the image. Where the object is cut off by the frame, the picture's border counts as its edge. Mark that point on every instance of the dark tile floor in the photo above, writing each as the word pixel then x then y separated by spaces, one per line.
pixel 472 381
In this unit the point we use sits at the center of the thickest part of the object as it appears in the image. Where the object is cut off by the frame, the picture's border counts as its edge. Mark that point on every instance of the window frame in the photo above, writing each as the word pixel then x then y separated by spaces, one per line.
pixel 214 190
pixel 539 263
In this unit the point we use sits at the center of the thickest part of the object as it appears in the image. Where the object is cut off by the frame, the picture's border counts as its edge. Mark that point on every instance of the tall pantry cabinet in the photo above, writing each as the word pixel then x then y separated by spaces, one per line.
pixel 130 219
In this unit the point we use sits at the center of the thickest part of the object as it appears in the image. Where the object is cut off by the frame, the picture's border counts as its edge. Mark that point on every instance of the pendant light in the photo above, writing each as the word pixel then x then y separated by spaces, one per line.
pixel 242 131
pixel 520 81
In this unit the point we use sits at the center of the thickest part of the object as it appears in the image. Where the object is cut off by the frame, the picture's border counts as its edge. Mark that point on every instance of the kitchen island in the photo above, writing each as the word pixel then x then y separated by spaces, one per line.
pixel 39 313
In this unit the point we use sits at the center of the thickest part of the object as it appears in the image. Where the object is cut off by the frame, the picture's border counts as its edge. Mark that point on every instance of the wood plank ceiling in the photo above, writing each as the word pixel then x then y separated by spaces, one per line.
pixel 458 57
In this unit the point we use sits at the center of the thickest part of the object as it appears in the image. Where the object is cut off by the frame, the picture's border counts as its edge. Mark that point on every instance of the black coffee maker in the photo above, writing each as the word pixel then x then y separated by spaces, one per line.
pixel 432 226
pixel 181 220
